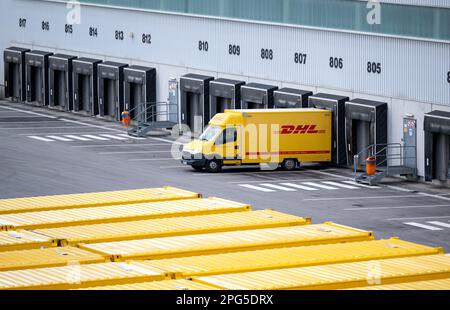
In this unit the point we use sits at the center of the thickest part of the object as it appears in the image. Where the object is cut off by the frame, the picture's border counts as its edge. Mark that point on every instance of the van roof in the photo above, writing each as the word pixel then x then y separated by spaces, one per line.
pixel 275 110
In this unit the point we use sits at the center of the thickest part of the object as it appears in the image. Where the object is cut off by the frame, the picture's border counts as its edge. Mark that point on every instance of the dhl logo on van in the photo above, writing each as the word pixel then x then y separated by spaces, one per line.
pixel 299 129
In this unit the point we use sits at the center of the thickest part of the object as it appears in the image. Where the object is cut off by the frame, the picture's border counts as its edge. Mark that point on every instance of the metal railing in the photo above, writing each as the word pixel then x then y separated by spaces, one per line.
pixel 386 156
pixel 148 113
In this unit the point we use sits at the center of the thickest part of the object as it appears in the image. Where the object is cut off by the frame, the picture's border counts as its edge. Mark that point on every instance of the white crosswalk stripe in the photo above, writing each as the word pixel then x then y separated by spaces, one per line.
pixel 446 225
pixel 41 139
pixel 114 137
pixel 60 138
pixel 428 227
pixel 359 184
pixel 281 188
pixel 96 137
pixel 261 189
pixel 340 185
pixel 306 188
pixel 130 137
pixel 319 185
pixel 77 138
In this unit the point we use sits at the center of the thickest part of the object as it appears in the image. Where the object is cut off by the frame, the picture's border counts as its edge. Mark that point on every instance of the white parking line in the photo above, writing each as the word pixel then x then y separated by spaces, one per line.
pixel 361 198
pixel 306 188
pixel 91 125
pixel 417 218
pixel 319 185
pixel 77 138
pixel 401 207
pixel 120 145
pixel 95 138
pixel 281 188
pixel 340 185
pixel 41 139
pixel 446 225
pixel 422 226
pixel 132 152
pixel 60 138
pixel 434 196
pixel 114 137
pixel 28 112
pixel 261 189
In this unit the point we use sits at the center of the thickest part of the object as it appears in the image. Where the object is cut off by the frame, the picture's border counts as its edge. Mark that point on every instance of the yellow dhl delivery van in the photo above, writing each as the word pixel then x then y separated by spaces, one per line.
pixel 274 137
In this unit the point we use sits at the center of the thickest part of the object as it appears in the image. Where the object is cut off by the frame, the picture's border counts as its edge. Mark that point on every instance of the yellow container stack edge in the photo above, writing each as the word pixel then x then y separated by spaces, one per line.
pixel 439 285
pixel 289 257
pixel 23 240
pixel 78 276
pixel 228 242
pixel 41 203
pixel 176 226
pixel 50 257
pixel 118 213
pixel 337 276
pixel 174 285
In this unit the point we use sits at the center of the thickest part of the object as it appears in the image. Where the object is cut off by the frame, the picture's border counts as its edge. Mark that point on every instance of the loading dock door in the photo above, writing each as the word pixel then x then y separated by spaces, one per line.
pixel 85 88
pixel 225 94
pixel 194 90
pixel 15 83
pixel 60 81
pixel 110 90
pixel 437 145
pixel 140 87
pixel 366 124
pixel 257 96
pixel 36 63
pixel 336 104
pixel 291 98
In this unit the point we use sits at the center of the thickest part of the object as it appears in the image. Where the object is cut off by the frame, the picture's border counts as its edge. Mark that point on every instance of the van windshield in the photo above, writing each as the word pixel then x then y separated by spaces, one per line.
pixel 210 133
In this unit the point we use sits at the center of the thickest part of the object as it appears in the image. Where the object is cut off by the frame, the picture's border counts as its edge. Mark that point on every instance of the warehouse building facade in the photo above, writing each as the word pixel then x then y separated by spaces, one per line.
pixel 207 55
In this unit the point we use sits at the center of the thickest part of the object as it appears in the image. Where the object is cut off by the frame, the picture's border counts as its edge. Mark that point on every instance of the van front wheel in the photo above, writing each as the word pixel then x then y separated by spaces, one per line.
pixel 289 164
pixel 213 166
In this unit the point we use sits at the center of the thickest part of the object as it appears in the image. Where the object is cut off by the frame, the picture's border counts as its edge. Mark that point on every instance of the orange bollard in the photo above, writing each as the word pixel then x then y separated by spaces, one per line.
pixel 126 118
pixel 371 165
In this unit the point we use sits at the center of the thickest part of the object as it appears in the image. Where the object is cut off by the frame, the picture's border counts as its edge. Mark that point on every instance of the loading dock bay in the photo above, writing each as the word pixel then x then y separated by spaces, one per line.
pixel 47 152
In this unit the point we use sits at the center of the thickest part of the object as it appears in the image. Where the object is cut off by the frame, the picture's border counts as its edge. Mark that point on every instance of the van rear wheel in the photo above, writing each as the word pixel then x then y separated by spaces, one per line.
pixel 289 164
pixel 213 166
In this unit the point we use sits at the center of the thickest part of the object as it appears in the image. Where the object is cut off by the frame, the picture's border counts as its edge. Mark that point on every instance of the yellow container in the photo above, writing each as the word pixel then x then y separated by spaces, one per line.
pixel 290 257
pixel 228 242
pixel 51 257
pixel 78 276
pixel 23 240
pixel 171 227
pixel 337 276
pixel 118 213
pixel 430 285
pixel 169 285
pixel 57 202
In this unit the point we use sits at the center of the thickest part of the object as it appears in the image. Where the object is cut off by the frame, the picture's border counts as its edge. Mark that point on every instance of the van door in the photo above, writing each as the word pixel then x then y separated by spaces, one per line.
pixel 226 144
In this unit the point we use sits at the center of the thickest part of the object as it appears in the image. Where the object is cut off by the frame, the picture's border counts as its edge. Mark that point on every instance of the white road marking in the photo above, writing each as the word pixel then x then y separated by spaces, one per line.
pixel 434 196
pixel 359 184
pixel 417 218
pixel 152 159
pixel 399 188
pixel 319 185
pixel 29 128
pixel 77 138
pixel 60 138
pixel 93 137
pixel 422 226
pixel 130 137
pixel 327 173
pixel 119 145
pixel 446 225
pixel 261 189
pixel 29 112
pixel 361 198
pixel 401 207
pixel 91 125
pixel 41 139
pixel 114 137
pixel 306 188
pixel 166 140
pixel 340 185
pixel 281 188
